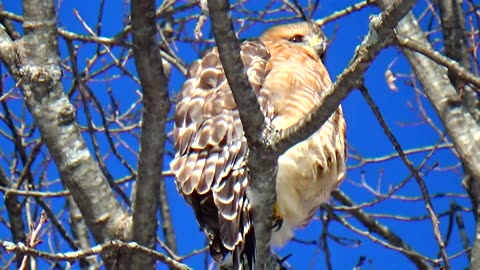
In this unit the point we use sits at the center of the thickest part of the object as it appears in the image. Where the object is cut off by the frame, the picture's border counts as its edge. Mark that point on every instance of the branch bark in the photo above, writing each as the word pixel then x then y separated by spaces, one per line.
pixel 455 46
pixel 80 233
pixel 110 246
pixel 156 106
pixel 37 71
pixel 229 49
pixel 166 217
pixel 14 211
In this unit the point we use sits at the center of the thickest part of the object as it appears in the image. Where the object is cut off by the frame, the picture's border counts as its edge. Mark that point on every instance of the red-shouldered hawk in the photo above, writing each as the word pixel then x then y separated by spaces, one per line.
pixel 286 72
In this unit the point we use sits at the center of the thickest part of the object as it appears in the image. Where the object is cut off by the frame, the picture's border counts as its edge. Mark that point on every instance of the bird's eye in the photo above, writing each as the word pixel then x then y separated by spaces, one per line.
pixel 296 38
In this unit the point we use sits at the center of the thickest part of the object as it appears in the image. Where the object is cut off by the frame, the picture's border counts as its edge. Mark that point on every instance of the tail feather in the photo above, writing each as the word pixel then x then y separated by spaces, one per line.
pixel 238 255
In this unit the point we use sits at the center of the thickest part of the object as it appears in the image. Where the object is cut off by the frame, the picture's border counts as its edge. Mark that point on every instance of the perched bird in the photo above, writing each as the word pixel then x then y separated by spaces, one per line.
pixel 286 73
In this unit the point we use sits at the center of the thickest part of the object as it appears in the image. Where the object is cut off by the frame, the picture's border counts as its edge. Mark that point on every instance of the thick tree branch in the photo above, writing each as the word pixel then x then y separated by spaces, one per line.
pixel 459 122
pixel 229 49
pixel 455 46
pixel 37 70
pixel 156 106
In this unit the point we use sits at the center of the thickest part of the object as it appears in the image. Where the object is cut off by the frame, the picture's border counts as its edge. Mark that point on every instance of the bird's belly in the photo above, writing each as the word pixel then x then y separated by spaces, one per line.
pixel 302 186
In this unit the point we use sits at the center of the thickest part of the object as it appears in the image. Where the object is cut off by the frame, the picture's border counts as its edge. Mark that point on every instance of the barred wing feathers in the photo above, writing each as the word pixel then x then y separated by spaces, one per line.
pixel 211 153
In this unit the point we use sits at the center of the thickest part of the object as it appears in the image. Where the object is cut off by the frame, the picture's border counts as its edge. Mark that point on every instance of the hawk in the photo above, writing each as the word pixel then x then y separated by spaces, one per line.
pixel 286 73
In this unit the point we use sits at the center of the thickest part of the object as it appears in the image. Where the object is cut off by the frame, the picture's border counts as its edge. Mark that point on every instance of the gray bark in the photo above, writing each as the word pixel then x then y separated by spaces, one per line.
pixel 35 64
pixel 156 106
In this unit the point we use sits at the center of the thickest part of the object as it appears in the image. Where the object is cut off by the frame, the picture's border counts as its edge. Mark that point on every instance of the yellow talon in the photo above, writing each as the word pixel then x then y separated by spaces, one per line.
pixel 277 218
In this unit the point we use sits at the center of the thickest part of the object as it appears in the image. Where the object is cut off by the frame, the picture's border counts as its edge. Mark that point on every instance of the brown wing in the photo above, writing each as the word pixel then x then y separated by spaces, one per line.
pixel 211 153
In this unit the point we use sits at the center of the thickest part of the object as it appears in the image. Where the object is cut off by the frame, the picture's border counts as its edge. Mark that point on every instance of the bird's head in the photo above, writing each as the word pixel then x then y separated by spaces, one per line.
pixel 307 34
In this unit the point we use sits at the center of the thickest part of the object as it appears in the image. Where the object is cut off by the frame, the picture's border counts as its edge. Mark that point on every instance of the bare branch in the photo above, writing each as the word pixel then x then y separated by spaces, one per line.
pixel 166 217
pixel 414 172
pixel 37 69
pixel 452 65
pixel 341 13
pixel 156 106
pixel 12 204
pixel 455 46
pixel 108 95
pixel 376 227
pixel 262 163
pixel 99 249
pixel 459 123
pixel 229 49
pixel 80 233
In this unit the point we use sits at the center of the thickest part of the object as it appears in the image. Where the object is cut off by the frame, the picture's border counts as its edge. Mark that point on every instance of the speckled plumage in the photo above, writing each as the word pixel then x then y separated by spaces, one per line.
pixel 289 79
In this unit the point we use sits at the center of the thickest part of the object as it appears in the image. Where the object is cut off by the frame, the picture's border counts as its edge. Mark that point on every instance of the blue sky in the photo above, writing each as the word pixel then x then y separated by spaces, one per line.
pixel 364 135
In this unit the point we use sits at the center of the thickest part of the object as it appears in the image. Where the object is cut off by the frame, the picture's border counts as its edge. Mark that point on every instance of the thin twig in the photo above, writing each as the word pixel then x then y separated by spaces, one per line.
pixel 452 65
pixel 413 171
pixel 341 13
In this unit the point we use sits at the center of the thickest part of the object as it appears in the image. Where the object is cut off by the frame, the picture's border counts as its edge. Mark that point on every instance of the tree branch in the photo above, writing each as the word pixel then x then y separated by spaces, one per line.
pixel 80 233
pixel 454 67
pixel 374 226
pixel 413 171
pixel 262 162
pixel 455 46
pixel 111 246
pixel 347 10
pixel 458 121
pixel 37 71
pixel 165 214
pixel 14 211
pixel 229 49
pixel 156 106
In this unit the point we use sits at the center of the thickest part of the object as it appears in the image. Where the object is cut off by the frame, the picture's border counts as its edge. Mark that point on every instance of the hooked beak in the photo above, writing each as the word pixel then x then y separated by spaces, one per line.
pixel 318 44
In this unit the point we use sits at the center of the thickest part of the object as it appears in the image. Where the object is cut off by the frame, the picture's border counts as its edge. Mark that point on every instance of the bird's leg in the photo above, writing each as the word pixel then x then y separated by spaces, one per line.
pixel 277 218
pixel 281 260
